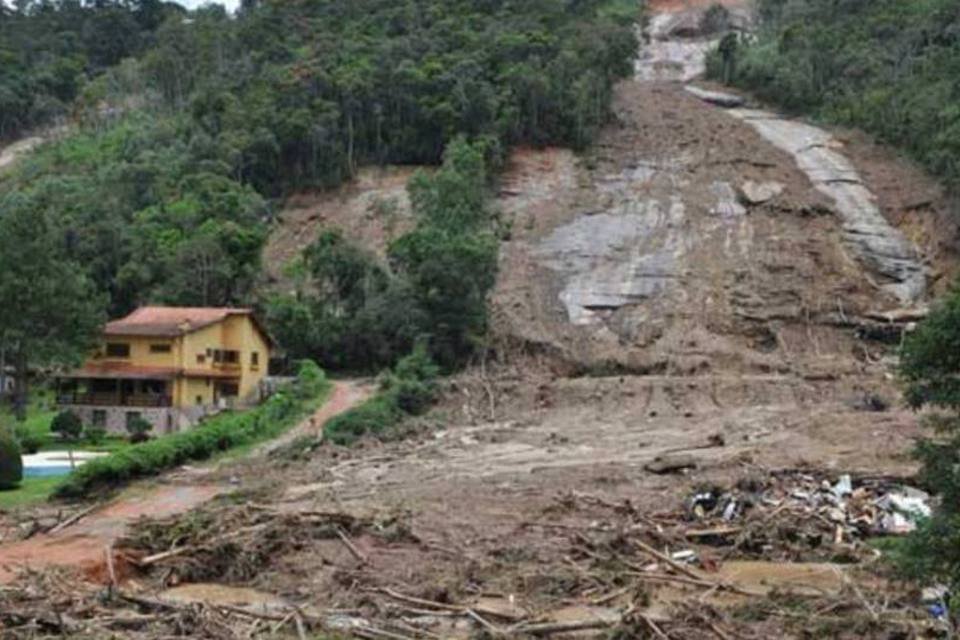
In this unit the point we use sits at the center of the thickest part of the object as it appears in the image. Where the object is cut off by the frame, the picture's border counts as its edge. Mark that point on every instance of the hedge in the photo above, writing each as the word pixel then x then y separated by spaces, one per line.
pixel 220 433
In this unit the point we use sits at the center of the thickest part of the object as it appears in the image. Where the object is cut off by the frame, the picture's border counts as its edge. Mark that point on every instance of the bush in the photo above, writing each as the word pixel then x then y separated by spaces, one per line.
pixel 413 382
pixel 139 429
pixel 11 465
pixel 220 433
pixel 311 379
pixel 67 424
pixel 29 441
pixel 94 435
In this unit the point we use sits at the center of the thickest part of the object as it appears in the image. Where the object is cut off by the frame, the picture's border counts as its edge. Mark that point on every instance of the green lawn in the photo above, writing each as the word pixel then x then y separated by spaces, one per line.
pixel 31 491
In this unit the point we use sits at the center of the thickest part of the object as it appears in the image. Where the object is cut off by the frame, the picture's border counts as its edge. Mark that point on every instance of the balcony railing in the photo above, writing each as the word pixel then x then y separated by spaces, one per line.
pixel 115 400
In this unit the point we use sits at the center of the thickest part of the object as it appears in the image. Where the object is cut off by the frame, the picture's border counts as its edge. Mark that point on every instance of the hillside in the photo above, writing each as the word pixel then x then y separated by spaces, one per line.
pixel 668 317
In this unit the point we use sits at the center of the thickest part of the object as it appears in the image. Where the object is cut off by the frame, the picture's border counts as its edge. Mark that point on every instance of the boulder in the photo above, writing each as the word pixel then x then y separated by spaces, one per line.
pixel 754 193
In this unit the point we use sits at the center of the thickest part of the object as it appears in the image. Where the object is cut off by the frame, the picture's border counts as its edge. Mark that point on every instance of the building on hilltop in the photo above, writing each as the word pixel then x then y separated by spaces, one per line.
pixel 170 366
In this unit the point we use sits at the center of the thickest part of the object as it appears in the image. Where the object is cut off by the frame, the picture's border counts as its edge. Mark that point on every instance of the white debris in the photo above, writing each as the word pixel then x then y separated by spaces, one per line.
pixel 844 486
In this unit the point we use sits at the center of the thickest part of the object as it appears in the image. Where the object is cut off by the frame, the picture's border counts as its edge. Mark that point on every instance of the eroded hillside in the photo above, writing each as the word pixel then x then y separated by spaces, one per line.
pixel 705 302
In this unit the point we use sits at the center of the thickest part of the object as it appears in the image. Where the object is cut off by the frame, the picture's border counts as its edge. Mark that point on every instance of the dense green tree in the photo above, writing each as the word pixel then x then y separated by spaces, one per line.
pixel 930 367
pixel 890 67
pixel 50 312
pixel 187 127
pixel 48 48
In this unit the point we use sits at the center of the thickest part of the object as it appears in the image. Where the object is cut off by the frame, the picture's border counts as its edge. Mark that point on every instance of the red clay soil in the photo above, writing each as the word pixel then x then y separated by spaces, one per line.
pixel 84 545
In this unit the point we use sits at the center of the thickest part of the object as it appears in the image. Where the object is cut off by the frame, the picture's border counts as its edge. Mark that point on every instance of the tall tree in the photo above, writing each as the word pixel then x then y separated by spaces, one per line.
pixel 49 310
pixel 930 366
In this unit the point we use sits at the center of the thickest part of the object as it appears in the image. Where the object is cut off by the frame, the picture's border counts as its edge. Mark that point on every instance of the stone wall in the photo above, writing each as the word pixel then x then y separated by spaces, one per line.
pixel 164 419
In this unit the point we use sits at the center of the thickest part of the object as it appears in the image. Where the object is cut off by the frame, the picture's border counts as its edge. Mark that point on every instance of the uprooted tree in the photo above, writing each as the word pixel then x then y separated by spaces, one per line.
pixel 930 366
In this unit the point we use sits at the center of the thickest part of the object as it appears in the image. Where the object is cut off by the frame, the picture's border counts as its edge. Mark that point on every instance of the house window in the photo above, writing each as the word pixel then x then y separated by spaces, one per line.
pixel 201 358
pixel 254 360
pixel 132 416
pixel 199 400
pixel 99 418
pixel 118 350
pixel 229 390
pixel 160 348
pixel 226 357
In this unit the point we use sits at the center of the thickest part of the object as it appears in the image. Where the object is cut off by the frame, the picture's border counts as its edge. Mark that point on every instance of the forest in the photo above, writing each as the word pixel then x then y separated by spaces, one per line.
pixel 887 66
pixel 184 131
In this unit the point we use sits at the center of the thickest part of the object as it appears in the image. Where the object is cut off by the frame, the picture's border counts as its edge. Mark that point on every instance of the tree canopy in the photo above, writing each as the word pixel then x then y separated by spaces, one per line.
pixel 891 67
pixel 187 128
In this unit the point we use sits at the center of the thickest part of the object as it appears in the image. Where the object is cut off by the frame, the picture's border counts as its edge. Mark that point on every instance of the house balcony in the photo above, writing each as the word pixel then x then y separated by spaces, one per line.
pixel 107 399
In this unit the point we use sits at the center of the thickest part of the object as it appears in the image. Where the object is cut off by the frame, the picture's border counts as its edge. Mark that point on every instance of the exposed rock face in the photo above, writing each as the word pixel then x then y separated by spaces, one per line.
pixel 615 259
pixel 652 254
pixel 872 238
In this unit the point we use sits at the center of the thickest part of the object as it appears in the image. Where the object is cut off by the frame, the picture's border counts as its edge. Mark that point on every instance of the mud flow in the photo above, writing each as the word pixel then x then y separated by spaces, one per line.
pixel 693 332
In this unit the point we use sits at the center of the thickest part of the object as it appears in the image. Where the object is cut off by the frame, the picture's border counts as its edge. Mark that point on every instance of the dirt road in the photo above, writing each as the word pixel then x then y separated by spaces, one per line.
pixel 84 545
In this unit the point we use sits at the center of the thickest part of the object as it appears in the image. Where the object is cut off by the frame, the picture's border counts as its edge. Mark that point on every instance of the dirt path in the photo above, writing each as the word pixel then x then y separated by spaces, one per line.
pixel 84 545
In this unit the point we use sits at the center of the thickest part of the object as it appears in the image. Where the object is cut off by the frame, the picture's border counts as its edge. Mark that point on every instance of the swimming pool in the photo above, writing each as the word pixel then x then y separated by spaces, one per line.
pixel 46 471
pixel 51 464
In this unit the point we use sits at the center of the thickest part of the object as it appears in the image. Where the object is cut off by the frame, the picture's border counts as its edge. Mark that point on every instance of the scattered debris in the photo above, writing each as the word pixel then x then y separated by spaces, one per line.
pixel 803 512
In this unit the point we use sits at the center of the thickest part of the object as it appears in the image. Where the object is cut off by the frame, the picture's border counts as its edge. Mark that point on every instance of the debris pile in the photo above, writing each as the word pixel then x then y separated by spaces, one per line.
pixel 792 514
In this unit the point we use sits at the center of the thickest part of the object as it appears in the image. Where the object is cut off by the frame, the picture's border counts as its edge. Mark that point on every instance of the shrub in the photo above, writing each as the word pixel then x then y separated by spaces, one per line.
pixel 94 435
pixel 139 429
pixel 29 441
pixel 311 379
pixel 67 424
pixel 413 381
pixel 11 465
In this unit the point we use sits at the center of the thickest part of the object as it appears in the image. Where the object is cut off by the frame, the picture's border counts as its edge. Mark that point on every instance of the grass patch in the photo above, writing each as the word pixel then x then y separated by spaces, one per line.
pixel 219 434
pixel 31 491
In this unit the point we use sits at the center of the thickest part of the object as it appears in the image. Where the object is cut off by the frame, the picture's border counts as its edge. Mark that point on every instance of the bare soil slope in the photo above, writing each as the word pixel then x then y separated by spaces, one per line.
pixel 683 289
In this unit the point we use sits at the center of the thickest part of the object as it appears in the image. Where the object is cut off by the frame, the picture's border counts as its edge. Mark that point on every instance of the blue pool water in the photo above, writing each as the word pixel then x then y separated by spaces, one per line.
pixel 46 471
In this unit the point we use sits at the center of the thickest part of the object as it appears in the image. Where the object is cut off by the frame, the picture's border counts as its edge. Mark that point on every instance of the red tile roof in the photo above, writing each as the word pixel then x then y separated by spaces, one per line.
pixel 170 321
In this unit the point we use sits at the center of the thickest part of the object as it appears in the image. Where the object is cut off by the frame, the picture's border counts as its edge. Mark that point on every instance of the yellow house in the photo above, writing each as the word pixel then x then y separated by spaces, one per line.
pixel 171 366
